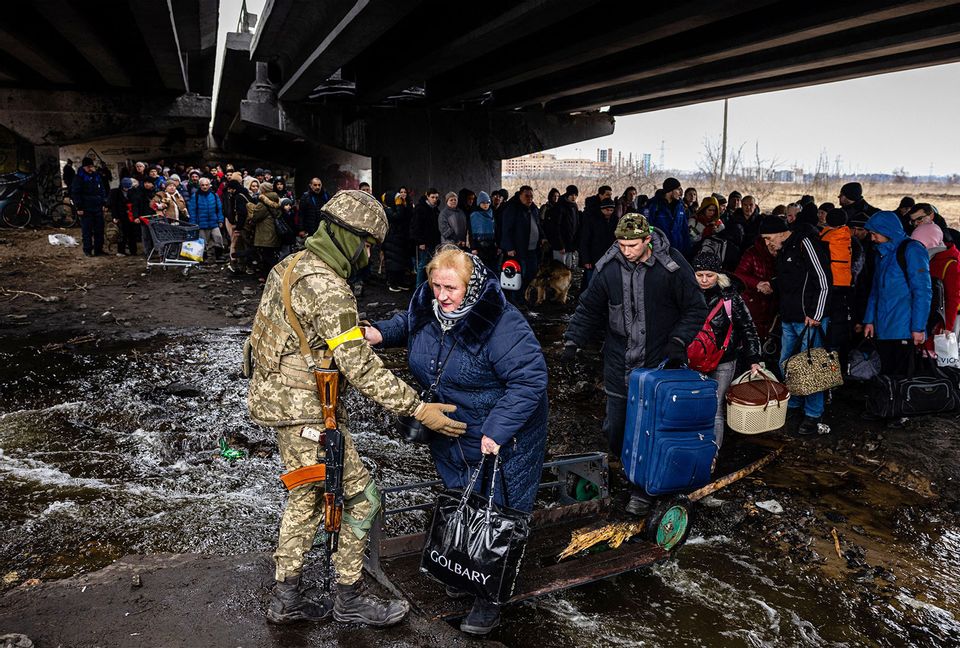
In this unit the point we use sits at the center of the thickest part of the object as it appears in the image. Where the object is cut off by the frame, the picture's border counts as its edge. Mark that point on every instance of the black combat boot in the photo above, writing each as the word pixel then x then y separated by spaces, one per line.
pixel 483 618
pixel 289 605
pixel 354 604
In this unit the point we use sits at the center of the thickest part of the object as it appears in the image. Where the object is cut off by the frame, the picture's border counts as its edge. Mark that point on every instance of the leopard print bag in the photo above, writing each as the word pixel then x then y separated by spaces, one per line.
pixel 813 370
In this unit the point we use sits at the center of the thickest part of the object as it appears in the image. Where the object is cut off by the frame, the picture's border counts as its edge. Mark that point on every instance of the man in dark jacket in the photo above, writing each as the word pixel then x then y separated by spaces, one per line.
pixel 89 195
pixel 733 204
pixel 521 236
pixel 69 173
pixel 667 213
pixel 646 294
pixel 596 236
pixel 748 217
pixel 592 204
pixel 425 230
pixel 122 203
pixel 852 201
pixel 803 283
pixel 311 202
pixel 563 234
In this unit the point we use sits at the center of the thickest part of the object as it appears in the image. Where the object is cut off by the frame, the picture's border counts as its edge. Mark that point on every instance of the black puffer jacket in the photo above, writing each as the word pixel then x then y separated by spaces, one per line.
pixel 744 337
pixel 397 249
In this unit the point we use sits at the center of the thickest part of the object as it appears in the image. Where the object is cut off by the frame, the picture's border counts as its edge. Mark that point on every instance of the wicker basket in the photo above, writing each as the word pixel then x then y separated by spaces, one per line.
pixel 758 404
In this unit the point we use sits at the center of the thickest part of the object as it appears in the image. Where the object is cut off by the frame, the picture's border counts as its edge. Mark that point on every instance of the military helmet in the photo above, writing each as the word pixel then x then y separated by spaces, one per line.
pixel 358 212
pixel 633 226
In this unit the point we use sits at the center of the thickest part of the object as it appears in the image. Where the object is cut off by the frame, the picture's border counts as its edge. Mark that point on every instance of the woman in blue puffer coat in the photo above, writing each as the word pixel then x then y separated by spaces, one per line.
pixel 493 370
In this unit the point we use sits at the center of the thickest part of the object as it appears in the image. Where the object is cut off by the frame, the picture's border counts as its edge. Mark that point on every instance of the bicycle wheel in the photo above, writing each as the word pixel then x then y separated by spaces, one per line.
pixel 63 215
pixel 16 214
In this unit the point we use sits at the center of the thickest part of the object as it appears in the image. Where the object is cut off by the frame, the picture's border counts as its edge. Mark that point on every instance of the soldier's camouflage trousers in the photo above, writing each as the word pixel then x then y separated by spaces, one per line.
pixel 303 514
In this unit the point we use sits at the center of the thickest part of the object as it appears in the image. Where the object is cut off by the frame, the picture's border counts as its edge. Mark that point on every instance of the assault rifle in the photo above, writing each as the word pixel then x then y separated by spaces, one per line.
pixel 328 384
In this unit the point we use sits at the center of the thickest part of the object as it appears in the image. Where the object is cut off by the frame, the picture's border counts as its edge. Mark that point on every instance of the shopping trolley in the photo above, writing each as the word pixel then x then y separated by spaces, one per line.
pixel 168 235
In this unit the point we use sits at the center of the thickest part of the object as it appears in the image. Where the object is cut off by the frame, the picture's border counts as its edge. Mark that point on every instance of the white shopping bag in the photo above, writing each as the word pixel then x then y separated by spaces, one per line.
pixel 192 250
pixel 945 346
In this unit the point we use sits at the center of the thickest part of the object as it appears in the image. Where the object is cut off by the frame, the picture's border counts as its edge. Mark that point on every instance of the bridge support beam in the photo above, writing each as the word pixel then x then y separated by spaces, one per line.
pixel 449 150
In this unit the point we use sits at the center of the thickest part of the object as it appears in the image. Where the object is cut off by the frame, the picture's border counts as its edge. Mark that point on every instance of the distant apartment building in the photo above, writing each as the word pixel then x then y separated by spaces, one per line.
pixel 549 165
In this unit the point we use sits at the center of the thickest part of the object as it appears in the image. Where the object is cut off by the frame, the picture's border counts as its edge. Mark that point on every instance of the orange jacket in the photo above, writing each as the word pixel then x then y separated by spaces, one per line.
pixel 840 254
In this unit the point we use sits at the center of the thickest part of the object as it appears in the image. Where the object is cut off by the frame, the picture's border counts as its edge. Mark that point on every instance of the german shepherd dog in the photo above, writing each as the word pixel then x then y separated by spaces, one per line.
pixel 552 276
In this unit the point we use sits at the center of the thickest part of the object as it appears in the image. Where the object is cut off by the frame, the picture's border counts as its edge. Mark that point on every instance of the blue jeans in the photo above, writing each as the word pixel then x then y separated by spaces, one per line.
pixel 813 404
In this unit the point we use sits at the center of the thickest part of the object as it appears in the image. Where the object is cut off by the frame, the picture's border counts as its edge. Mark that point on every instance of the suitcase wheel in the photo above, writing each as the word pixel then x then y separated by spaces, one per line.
pixel 668 524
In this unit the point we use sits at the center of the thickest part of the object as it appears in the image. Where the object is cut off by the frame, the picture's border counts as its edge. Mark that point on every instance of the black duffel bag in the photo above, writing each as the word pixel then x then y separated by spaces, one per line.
pixel 474 545
pixel 913 395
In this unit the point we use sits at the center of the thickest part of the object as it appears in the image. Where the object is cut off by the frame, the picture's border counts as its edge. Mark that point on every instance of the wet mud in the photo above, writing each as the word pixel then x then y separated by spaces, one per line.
pixel 109 447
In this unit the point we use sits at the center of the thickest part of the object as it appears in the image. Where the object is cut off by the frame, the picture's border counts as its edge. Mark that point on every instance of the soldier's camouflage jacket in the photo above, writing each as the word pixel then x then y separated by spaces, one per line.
pixel 282 389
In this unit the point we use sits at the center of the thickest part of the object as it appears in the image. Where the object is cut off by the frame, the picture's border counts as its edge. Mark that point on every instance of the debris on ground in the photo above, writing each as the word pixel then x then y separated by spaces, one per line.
pixel 230 454
pixel 614 534
pixel 770 506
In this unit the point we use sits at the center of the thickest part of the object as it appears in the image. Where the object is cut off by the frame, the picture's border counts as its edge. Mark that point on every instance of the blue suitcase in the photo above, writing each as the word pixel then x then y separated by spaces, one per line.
pixel 668 440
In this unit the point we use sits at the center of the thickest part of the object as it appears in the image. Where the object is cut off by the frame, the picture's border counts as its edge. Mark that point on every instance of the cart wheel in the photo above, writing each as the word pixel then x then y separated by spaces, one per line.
pixel 668 524
pixel 186 271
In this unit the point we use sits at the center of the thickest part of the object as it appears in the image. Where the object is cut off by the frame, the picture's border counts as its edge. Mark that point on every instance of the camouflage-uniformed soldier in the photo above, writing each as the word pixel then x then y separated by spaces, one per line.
pixel 283 394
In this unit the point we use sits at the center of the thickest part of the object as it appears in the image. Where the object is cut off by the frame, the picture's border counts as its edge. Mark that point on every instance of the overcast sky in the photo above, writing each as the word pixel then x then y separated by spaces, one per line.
pixel 875 124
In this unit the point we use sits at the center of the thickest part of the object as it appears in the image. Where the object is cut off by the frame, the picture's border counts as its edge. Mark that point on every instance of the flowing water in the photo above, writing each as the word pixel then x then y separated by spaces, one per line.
pixel 111 449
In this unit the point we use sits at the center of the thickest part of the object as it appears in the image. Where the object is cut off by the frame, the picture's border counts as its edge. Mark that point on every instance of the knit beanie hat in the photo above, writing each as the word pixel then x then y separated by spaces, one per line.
pixel 286 201
pixel 483 197
pixel 838 218
pixel 86 162
pixel 857 220
pixel 735 194
pixel 808 215
pixel 707 262
pixel 450 194
pixel 126 183
pixel 670 184
pixel 773 225
pixel 827 206
pixel 572 191
pixel 852 190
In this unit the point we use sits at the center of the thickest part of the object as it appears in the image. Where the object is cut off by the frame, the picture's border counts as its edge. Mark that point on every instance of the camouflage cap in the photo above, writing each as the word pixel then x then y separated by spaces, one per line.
pixel 359 212
pixel 633 226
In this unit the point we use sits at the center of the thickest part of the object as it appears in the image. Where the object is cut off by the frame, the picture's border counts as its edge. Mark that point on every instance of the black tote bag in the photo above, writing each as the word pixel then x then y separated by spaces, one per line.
pixel 473 544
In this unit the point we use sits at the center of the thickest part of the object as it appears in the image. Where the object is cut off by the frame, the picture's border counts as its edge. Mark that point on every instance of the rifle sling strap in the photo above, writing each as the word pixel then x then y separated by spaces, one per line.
pixel 326 361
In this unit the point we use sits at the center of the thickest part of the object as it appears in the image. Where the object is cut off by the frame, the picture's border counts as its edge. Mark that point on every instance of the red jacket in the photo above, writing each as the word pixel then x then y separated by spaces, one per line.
pixel 945 266
pixel 756 265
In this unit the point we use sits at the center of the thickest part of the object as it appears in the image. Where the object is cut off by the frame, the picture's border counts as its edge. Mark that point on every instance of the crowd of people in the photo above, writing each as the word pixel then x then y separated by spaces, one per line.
pixel 250 219
pixel 844 270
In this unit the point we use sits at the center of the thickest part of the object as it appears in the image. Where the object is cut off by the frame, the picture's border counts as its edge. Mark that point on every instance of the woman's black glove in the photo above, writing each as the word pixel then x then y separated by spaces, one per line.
pixel 676 354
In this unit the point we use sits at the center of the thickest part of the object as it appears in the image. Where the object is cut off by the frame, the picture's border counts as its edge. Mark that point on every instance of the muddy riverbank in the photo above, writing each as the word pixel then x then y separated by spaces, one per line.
pixel 110 424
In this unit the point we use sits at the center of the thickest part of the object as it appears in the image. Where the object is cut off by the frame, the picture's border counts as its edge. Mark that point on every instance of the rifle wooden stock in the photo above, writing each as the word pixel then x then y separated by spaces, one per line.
pixel 332 514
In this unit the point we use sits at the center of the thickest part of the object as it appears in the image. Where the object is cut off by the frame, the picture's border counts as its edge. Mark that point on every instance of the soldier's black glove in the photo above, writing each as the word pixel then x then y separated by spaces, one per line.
pixel 676 354
pixel 569 353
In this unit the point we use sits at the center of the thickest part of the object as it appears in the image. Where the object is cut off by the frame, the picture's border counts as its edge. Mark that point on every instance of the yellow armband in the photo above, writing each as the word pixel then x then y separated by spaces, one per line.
pixel 352 334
